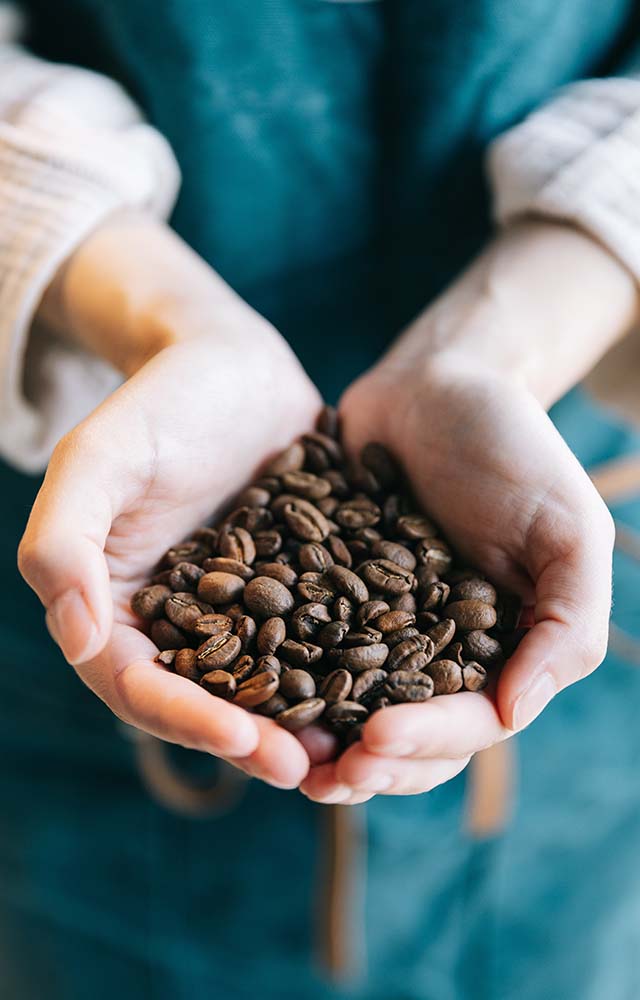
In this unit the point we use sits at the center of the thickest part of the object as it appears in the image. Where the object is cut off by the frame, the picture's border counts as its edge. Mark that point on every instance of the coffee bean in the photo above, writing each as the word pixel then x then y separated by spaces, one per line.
pixel 184 610
pixel 404 650
pixel 192 551
pixel 305 521
pixel 368 612
pixel 394 552
pixel 306 484
pixel 219 683
pixel 301 715
pixel 272 634
pixel 339 551
pixel 343 609
pixel 272 706
pixel 426 620
pixel 185 664
pixel 390 621
pixel 434 553
pixel 220 588
pixel 236 543
pixel 387 577
pixel 289 460
pixel 403 602
pixel 348 583
pixel 325 443
pixel 243 668
pixel 328 506
pixel 268 543
pixel 393 639
pixel 220 564
pixel 414 526
pixel 149 602
pixel 268 598
pixel 328 421
pixel 483 648
pixel 368 685
pixel 218 651
pixel 367 636
pixel 185 576
pixel 346 713
pixel 315 593
pixel 474 676
pixel 314 557
pixel 508 610
pixel 212 624
pixel 435 595
pixel 297 685
pixel 279 571
pixel 408 685
pixel 254 496
pixel 167 657
pixel 442 634
pixel 471 615
pixel 245 628
pixel 446 675
pixel 364 657
pixel 475 590
pixel 167 636
pixel 336 686
pixel 207 537
pixel 301 654
pixel 308 619
pixel 375 457
pixel 256 689
pixel 268 663
pixel 331 635
pixel 358 513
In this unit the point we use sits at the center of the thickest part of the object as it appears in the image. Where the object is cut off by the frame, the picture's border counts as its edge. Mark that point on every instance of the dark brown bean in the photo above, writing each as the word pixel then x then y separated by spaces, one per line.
pixel 301 654
pixel 220 588
pixel 331 635
pixel 414 526
pixel 184 610
pixel 435 595
pixel 185 664
pixel 368 685
pixel 267 597
pixel 348 583
pixel 403 602
pixel 192 551
pixel 367 636
pixel 257 689
pixel 306 484
pixel 272 634
pixel 301 715
pixel 336 686
pixel 339 551
pixel 308 619
pixel 243 668
pixel 254 496
pixel 289 460
pixel 166 635
pixel 328 422
pixel 393 639
pixel 148 603
pixel 387 577
pixel 364 657
pixel 404 650
pixel 305 521
pixel 268 543
pixel 475 590
pixel 368 612
pixel 435 554
pixel 474 676
pixel 245 628
pixel 394 552
pixel 184 577
pixel 315 593
pixel 220 564
pixel 346 713
pixel 409 686
pixel 471 615
pixel 446 675
pixel 212 624
pixel 361 512
pixel 343 609
pixel 218 651
pixel 269 663
pixel 442 634
pixel 479 646
pixel 314 557
pixel 272 706
pixel 378 460
pixel 390 621
pixel 219 683
pixel 297 685
pixel 237 543
pixel 279 571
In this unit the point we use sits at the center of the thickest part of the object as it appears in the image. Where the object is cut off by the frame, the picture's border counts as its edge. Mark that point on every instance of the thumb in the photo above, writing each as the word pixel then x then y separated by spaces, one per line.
pixel 61 555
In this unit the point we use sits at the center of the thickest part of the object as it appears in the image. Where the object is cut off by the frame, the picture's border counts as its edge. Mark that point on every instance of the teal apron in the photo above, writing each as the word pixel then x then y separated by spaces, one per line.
pixel 332 164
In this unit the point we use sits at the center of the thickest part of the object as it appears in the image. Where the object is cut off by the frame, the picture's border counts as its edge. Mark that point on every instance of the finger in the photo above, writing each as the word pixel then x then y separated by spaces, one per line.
pixel 320 744
pixel 322 785
pixel 279 759
pixel 441 727
pixel 366 772
pixel 61 555
pixel 569 639
pixel 147 696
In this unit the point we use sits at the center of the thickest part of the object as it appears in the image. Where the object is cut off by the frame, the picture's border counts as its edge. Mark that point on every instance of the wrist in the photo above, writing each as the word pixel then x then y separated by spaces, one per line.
pixel 540 306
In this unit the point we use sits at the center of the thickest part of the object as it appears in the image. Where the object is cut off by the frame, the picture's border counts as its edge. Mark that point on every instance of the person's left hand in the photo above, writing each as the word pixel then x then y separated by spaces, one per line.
pixel 488 465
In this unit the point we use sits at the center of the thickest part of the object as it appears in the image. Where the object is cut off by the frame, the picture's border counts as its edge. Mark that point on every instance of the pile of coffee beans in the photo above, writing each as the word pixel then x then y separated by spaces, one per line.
pixel 325 595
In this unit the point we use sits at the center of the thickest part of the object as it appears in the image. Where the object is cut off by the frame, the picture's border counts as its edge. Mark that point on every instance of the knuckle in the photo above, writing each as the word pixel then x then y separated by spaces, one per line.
pixel 30 558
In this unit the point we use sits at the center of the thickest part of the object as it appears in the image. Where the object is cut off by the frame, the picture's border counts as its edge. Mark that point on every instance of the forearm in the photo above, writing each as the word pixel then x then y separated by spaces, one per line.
pixel 541 304
pixel 134 287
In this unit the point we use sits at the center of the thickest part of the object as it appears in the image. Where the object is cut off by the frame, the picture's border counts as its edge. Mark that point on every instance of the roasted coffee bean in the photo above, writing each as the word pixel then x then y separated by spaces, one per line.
pixel 268 543
pixel 343 609
pixel 471 615
pixel 358 513
pixel 328 421
pixel 446 676
pixel 185 664
pixel 314 557
pixel 328 506
pixel 256 689
pixel 192 551
pixel 434 553
pixel 408 685
pixel 218 651
pixel 184 610
pixel 301 654
pixel 339 551
pixel 185 576
pixel 378 703
pixel 315 593
pixel 339 484
pixel 363 480
pixel 289 460
pixel 332 634
pixel 212 624
pixel 329 445
pixel 336 686
pixel 167 657
pixel 297 685
pixel 207 537
pixel 364 657
pixel 272 634
pixel 305 521
pixel 301 715
pixel 243 668
pixel 394 552
pixel 425 577
pixel 348 583
pixel 307 485
pixel 268 598
pixel 308 619
pixel 254 496
pixel 368 612
pixel 268 664
pixel 479 646
pixel 393 639
pixel 220 588
pixel 442 634
pixel 390 621
pixel 386 576
pixel 252 519
pixel 384 467
pixel 166 635
pixel 245 628
pixel 475 590
pixel 219 683
pixel 435 596
pixel 234 611
pixel 346 713
pixel 272 706
pixel 281 572
pixel 149 602
pixel 221 564
pixel 404 650
pixel 367 636
pixel 474 676
pixel 237 543
pixel 414 526
pixel 368 685
pixel 426 620
pixel 403 602
pixel 453 652
pixel 393 507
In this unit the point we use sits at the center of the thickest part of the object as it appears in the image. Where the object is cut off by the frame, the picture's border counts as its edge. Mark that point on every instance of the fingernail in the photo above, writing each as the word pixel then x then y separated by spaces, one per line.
pixel 533 699
pixel 396 749
pixel 72 627
pixel 339 794
pixel 376 783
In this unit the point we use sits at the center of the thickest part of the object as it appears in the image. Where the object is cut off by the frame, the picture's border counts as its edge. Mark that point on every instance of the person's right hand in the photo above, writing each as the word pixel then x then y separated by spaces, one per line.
pixel 152 463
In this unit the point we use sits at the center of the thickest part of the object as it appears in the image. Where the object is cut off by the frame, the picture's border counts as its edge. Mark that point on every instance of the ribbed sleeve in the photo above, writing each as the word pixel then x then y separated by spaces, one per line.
pixel 73 149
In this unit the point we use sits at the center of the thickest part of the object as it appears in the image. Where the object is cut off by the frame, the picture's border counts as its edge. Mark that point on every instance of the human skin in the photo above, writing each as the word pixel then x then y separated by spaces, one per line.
pixel 213 390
